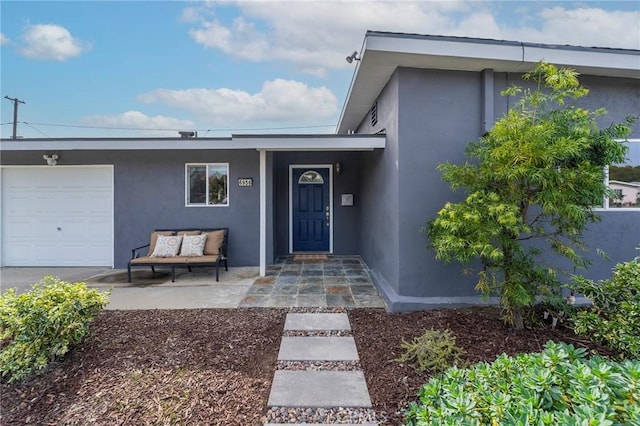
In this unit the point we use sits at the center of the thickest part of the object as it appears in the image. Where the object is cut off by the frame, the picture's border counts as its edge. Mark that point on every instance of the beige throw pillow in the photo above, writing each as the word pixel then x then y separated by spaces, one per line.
pixel 167 246
pixel 213 243
pixel 193 245
pixel 154 238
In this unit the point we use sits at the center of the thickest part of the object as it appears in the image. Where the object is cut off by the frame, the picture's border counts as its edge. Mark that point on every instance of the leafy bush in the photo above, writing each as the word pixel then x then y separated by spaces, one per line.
pixel 614 318
pixel 43 323
pixel 559 386
pixel 435 351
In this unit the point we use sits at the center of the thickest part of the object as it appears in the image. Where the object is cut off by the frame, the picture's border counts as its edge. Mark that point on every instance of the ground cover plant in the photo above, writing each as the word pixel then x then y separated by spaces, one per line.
pixel 44 323
pixel 535 177
pixel 434 350
pixel 560 385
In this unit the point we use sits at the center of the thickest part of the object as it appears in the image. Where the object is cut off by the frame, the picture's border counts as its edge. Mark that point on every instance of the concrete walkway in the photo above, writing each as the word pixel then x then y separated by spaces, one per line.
pixel 340 281
pixel 311 389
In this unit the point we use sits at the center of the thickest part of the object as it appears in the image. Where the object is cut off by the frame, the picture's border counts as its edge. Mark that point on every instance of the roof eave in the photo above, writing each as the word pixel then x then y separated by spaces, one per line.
pixel 384 52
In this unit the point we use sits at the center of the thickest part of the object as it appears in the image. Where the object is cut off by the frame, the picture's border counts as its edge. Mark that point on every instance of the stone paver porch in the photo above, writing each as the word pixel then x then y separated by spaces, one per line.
pixel 337 281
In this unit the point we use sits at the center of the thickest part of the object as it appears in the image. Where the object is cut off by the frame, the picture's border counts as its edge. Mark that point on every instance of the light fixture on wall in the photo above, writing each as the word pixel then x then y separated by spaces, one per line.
pixel 51 160
pixel 352 57
pixel 338 166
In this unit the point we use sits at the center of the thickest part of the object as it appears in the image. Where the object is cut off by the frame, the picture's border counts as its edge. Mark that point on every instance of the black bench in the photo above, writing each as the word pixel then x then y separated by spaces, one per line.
pixel 214 254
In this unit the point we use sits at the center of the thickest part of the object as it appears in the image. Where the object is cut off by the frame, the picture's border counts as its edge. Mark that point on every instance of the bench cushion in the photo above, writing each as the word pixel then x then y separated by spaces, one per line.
pixel 213 243
pixel 202 259
pixel 148 260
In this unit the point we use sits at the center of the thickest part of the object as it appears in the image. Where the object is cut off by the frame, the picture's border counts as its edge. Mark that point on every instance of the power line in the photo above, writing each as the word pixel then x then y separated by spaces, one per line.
pixel 273 128
pixel 37 130
pixel 78 126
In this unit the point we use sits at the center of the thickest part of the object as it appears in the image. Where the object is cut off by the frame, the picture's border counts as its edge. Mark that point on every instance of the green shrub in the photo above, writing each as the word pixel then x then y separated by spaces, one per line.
pixel 614 318
pixel 435 351
pixel 559 386
pixel 39 325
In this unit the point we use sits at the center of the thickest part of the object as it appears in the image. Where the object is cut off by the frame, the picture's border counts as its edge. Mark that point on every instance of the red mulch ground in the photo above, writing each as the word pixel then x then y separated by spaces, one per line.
pixel 202 367
pixel 157 367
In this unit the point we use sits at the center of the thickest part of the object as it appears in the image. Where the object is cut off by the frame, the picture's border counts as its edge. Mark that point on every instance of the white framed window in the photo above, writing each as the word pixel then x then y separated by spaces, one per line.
pixel 624 180
pixel 207 184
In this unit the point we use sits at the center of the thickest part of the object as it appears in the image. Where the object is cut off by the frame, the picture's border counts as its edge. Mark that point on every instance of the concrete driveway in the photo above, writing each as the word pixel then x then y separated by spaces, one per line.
pixel 192 290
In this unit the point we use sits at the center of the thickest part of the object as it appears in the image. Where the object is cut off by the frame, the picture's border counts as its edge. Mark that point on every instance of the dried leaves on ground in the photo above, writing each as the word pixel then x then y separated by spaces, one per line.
pixel 215 366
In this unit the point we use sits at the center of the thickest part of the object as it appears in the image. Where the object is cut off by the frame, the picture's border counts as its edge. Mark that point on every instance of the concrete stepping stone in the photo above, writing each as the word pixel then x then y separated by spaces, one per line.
pixel 318 349
pixel 319 389
pixel 317 321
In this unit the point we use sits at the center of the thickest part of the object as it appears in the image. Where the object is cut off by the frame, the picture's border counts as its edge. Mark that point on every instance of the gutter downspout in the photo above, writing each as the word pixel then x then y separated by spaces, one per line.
pixel 487 89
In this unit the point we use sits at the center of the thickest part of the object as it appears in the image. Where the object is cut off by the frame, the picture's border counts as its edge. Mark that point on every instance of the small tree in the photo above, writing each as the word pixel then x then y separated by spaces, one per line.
pixel 536 175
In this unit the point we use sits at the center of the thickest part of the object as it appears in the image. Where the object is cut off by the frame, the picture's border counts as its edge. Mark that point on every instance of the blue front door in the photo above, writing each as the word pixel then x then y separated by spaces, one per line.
pixel 311 209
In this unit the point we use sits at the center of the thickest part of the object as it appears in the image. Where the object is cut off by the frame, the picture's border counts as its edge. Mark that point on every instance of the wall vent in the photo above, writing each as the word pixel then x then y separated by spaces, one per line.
pixel 374 114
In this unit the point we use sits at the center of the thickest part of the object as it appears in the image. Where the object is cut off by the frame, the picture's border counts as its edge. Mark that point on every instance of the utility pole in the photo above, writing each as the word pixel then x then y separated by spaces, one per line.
pixel 15 101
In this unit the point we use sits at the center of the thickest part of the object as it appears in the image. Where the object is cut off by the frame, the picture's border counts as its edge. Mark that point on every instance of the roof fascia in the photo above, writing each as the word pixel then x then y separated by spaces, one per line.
pixel 259 142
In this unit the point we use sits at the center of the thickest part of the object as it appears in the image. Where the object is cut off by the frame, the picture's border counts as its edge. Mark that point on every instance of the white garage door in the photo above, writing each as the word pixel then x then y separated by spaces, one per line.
pixel 57 216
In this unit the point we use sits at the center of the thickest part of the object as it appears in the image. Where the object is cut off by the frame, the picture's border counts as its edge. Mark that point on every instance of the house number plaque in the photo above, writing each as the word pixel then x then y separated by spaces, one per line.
pixel 245 182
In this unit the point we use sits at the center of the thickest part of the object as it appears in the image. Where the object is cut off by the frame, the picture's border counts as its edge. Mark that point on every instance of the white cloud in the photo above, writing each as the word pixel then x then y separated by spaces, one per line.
pixel 242 40
pixel 586 27
pixel 3 39
pixel 279 100
pixel 51 42
pixel 316 36
pixel 155 126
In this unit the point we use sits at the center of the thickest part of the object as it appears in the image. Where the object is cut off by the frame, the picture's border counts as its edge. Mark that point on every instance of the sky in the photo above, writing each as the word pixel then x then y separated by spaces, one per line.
pixel 153 68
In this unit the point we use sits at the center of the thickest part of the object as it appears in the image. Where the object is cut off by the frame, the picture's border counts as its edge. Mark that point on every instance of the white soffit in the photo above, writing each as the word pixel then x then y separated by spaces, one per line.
pixel 306 143
pixel 383 53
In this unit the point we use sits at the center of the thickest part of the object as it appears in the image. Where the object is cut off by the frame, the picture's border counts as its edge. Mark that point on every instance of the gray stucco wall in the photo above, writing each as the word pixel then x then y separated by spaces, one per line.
pixel 617 233
pixel 346 233
pixel 380 223
pixel 619 96
pixel 438 113
pixel 149 192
